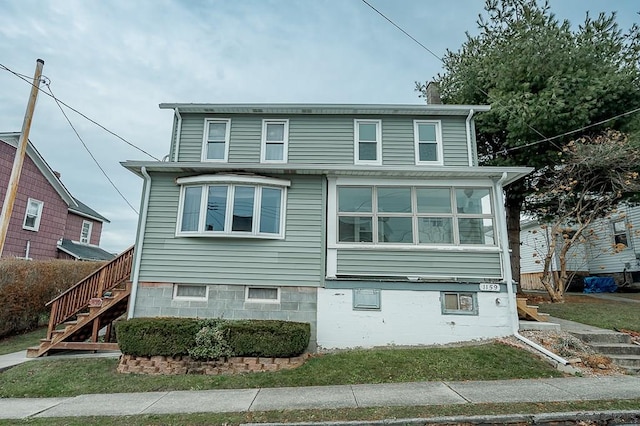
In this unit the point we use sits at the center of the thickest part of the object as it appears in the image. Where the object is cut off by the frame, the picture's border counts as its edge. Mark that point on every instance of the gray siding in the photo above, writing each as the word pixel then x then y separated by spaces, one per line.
pixel 294 261
pixel 602 258
pixel 423 263
pixel 324 139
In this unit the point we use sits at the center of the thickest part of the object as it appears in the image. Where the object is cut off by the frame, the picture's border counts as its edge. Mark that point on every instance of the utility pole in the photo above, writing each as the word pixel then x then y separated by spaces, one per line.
pixel 21 149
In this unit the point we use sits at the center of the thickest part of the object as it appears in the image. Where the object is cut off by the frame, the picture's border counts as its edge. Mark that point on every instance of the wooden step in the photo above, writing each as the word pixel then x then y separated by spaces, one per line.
pixel 529 312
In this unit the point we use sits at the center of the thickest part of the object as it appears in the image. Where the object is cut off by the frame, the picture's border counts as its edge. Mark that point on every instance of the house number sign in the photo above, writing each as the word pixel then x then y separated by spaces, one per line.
pixel 489 287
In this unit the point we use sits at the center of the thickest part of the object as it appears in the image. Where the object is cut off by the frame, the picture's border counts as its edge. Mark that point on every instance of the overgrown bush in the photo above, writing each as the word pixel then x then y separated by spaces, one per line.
pixel 212 338
pixel 26 287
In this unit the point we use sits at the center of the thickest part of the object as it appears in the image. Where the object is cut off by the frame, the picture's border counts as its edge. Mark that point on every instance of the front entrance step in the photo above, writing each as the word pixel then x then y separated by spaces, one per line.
pixel 33 351
pixel 614 345
pixel 604 336
pixel 616 348
pixel 626 360
pixel 538 326
pixel 529 312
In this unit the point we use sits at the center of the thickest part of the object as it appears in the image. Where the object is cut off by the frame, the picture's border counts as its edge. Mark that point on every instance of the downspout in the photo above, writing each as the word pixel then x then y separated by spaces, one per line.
pixel 506 261
pixel 140 238
pixel 178 132
pixel 469 149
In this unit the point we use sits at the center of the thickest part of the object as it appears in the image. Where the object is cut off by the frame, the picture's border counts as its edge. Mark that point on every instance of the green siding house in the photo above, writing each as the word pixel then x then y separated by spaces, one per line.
pixel 374 223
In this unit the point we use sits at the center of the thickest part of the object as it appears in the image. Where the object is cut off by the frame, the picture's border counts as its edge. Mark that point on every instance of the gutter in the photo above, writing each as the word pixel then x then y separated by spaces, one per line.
pixel 506 261
pixel 140 238
pixel 468 125
pixel 178 132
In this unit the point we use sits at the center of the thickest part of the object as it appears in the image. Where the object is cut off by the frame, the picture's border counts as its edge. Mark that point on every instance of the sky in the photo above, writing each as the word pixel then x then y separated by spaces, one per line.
pixel 116 60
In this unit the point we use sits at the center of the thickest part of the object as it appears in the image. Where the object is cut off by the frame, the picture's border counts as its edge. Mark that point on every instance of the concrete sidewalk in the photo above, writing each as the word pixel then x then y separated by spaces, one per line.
pixel 326 397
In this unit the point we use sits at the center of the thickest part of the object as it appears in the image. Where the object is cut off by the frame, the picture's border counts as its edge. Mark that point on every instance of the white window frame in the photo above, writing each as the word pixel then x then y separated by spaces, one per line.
pixel 191 298
pixel 90 229
pixel 231 182
pixel 205 139
pixel 455 215
pixel 614 233
pixel 439 148
pixel 356 142
pixel 474 298
pixel 38 217
pixel 285 142
pixel 273 301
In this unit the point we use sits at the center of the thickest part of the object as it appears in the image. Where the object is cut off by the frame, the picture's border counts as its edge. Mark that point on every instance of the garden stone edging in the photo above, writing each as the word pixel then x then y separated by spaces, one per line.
pixel 167 365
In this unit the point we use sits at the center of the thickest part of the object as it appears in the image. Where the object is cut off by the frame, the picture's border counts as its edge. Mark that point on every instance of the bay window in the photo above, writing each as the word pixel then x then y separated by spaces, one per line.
pixel 232 206
pixel 414 215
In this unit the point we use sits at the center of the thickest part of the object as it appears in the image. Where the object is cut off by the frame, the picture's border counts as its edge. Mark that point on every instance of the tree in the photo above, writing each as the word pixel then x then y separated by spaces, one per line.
pixel 594 175
pixel 542 79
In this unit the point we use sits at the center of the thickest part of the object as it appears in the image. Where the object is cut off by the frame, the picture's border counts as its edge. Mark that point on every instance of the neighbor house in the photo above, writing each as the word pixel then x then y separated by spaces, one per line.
pixel 374 223
pixel 611 247
pixel 47 222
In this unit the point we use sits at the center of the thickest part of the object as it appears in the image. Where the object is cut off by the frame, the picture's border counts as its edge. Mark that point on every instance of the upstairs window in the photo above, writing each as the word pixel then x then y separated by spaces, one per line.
pixel 216 139
pixel 85 232
pixel 33 215
pixel 368 142
pixel 415 215
pixel 620 234
pixel 235 207
pixel 428 145
pixel 275 141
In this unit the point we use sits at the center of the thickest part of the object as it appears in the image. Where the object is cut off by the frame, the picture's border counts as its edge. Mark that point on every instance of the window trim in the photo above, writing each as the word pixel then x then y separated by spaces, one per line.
pixel 285 142
pixel 627 234
pixel 356 142
pixel 445 311
pixel 439 145
pixel 88 241
pixel 231 182
pixel 191 298
pixel 36 225
pixel 205 140
pixel 270 301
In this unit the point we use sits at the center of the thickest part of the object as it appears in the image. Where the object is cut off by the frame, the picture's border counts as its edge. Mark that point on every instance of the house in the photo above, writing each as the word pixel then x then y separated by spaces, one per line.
pixel 47 222
pixel 374 223
pixel 611 248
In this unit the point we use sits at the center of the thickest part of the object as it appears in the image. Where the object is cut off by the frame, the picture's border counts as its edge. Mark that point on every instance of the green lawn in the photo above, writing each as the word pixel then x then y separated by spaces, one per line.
pixel 22 341
pixel 597 312
pixel 57 378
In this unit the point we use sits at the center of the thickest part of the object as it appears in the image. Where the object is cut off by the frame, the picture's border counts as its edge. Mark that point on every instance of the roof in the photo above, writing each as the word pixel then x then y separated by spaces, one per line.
pixel 13 138
pixel 351 170
pixel 83 210
pixel 327 109
pixel 84 251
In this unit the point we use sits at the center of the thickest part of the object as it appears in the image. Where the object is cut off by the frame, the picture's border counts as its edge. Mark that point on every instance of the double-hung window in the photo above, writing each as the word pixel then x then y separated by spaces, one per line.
pixel 215 146
pixel 428 145
pixel 85 232
pixel 275 141
pixel 33 215
pixel 368 142
pixel 234 206
pixel 415 215
pixel 620 233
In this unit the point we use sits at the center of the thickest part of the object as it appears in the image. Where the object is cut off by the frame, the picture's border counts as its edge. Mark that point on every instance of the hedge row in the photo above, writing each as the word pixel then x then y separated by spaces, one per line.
pixel 26 287
pixel 177 336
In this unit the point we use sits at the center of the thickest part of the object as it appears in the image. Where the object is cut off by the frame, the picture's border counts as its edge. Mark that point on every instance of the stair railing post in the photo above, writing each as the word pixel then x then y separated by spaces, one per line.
pixel 52 319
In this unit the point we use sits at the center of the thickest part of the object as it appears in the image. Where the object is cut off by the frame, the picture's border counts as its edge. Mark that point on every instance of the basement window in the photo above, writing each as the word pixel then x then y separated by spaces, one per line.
pixel 459 303
pixel 366 299
pixel 262 294
pixel 190 292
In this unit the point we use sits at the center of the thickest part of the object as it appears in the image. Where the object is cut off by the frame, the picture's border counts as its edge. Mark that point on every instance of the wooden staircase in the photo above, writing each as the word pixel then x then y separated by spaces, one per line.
pixel 78 314
pixel 529 312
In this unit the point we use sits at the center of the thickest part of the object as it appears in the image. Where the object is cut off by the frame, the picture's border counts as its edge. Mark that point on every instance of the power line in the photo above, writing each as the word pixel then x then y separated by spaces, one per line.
pixel 22 77
pixel 47 83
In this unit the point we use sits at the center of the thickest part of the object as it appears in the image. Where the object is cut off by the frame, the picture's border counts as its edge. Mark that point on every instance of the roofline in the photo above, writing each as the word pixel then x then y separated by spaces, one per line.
pixel 70 253
pixel 513 173
pixel 79 213
pixel 324 109
pixel 41 164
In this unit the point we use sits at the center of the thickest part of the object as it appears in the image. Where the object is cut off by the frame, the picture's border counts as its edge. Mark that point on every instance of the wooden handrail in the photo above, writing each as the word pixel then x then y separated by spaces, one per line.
pixel 77 297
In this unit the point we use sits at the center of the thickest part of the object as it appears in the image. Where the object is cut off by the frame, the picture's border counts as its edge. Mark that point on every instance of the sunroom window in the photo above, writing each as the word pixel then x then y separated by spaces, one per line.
pixel 415 215
pixel 232 206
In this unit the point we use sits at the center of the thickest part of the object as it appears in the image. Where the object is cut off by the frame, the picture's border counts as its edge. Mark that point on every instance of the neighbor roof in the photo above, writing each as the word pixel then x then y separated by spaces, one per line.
pixel 83 210
pixel 84 251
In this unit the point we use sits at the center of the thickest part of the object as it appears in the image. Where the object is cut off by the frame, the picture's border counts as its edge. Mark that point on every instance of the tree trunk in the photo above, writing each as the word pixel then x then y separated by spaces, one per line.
pixel 513 206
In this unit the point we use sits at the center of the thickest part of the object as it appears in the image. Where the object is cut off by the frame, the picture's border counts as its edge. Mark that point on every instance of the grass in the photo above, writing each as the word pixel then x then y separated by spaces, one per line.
pixel 326 415
pixel 82 376
pixel 597 312
pixel 21 342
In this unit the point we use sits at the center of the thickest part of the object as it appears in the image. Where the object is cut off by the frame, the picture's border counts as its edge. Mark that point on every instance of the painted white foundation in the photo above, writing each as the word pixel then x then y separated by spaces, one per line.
pixel 406 318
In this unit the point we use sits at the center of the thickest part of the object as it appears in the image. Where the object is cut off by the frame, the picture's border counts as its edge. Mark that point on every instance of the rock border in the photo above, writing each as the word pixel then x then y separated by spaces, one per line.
pixel 166 365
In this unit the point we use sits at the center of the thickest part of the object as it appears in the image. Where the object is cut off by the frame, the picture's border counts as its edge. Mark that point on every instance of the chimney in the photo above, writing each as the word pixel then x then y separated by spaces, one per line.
pixel 433 93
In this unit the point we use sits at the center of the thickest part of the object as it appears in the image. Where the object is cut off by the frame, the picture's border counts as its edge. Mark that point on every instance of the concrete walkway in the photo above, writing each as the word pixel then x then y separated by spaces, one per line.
pixel 326 397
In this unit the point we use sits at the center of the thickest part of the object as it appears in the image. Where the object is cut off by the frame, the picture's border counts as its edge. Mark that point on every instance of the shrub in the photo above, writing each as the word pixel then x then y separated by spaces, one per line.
pixel 26 287
pixel 268 338
pixel 212 338
pixel 157 336
pixel 212 341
